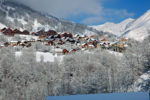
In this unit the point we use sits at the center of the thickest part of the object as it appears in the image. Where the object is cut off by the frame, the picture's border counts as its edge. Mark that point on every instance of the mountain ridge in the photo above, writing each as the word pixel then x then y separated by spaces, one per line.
pixel 139 28
pixel 119 27
pixel 135 29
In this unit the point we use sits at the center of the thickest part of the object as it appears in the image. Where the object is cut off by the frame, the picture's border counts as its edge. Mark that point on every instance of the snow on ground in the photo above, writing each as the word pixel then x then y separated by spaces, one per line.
pixel 47 57
pixel 57 50
pixel 138 34
pixel 2 26
pixel 10 8
pixel 89 33
pixel 10 18
pixel 28 37
pixel 18 54
pixel 38 26
pixel 21 20
pixel 115 53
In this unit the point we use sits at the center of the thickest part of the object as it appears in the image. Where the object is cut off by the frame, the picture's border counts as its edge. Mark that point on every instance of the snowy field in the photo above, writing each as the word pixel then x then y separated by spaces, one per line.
pixel 115 53
pixel 46 57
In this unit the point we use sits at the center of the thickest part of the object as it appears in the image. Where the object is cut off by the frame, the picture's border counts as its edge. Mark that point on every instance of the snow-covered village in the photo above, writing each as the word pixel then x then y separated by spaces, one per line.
pixel 59 43
pixel 42 55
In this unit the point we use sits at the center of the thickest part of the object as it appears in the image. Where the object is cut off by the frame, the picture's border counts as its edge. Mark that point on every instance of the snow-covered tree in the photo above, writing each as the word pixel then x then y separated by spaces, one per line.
pixel 79 73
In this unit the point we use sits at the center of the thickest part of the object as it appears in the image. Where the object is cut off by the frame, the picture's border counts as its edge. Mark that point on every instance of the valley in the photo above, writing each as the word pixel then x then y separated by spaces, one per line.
pixel 42 55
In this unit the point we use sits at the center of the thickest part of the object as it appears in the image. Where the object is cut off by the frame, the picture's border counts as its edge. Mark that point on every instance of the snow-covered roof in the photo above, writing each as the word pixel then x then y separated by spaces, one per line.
pixel 58 50
pixel 13 41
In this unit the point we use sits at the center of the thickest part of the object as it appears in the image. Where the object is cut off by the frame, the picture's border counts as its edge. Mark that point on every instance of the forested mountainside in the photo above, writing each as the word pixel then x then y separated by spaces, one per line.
pixel 18 16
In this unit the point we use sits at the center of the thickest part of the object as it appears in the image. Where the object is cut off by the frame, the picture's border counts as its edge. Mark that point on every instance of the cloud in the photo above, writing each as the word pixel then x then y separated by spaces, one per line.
pixel 91 10
pixel 118 13
pixel 91 20
pixel 64 8
pixel 109 15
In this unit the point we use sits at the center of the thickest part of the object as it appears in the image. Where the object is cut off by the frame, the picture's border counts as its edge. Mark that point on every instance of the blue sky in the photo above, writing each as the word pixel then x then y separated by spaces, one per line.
pixel 91 12
pixel 133 8
pixel 115 96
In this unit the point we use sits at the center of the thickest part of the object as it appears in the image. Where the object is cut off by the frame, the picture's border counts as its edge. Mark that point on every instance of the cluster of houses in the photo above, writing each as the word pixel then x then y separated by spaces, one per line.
pixel 57 40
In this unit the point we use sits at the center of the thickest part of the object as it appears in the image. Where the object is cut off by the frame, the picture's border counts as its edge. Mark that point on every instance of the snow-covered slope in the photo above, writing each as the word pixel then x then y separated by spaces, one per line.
pixel 2 26
pixel 116 29
pixel 130 28
pixel 139 28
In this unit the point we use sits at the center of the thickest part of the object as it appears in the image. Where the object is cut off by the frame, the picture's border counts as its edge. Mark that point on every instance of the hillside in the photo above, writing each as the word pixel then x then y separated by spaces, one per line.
pixel 138 30
pixel 18 16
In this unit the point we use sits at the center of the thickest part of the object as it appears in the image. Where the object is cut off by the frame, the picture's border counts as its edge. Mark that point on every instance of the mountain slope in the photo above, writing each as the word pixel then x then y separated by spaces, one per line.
pixel 2 26
pixel 130 28
pixel 18 16
pixel 116 29
pixel 139 28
